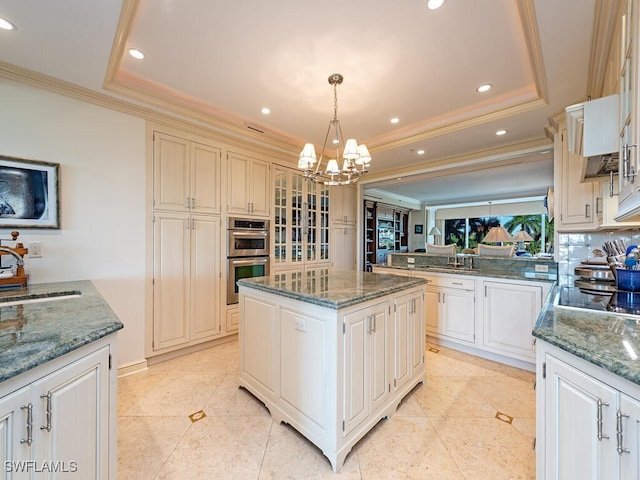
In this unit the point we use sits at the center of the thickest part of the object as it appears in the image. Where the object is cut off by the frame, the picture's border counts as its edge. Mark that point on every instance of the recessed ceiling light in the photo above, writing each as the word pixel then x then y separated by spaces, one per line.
pixel 501 132
pixel 265 110
pixel 483 88
pixel 433 4
pixel 6 24
pixel 420 152
pixel 394 120
pixel 135 53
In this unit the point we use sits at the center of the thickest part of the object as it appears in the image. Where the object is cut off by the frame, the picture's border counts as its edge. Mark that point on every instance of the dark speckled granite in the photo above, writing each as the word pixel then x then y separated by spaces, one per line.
pixel 34 333
pixel 597 337
pixel 332 289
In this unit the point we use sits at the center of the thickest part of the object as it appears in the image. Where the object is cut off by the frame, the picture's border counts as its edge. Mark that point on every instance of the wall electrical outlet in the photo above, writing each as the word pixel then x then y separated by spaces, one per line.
pixel 542 268
pixel 300 324
pixel 35 249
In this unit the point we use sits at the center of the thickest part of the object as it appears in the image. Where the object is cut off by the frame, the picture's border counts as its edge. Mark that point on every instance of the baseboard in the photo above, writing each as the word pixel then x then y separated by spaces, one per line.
pixel 163 357
pixel 131 368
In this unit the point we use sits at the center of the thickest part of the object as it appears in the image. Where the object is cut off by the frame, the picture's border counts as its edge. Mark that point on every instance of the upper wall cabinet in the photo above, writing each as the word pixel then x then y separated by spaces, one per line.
pixel 343 204
pixel 248 186
pixel 577 205
pixel 186 175
pixel 629 198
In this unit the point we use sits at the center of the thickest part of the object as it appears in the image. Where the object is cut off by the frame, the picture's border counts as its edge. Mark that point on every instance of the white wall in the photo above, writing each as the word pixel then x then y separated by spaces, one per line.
pixel 102 192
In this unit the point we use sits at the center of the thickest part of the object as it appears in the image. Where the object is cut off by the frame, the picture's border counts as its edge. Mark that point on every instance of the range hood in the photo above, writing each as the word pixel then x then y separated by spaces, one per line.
pixel 593 133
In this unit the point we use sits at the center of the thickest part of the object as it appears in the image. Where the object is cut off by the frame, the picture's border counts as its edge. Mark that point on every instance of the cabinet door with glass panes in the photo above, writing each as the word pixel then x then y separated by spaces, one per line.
pixel 301 221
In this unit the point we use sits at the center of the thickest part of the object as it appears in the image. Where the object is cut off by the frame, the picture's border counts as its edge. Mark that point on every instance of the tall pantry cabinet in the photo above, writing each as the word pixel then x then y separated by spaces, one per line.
pixel 187 235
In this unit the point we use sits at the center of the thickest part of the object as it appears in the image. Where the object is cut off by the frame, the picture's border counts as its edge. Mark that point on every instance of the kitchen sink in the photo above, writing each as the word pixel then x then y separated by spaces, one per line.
pixel 45 297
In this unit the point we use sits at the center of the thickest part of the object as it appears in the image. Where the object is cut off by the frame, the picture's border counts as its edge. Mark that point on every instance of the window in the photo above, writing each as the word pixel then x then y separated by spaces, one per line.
pixel 468 232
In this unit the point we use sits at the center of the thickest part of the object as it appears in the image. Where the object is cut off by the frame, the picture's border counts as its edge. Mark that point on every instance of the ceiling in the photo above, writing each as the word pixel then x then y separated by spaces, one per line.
pixel 219 62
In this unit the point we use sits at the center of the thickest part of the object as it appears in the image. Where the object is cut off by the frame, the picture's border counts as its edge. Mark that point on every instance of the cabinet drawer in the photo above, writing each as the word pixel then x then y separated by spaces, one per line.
pixel 457 281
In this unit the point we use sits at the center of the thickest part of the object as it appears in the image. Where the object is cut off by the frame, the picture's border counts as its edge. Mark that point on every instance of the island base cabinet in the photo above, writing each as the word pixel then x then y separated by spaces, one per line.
pixel 588 420
pixel 366 369
pixel 61 424
pixel 328 373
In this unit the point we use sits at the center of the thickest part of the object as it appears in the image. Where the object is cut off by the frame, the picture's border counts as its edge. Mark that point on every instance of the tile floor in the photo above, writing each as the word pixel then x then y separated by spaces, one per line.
pixel 444 429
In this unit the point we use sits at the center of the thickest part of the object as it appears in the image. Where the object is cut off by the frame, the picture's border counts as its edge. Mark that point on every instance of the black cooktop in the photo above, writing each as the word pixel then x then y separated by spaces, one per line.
pixel 617 301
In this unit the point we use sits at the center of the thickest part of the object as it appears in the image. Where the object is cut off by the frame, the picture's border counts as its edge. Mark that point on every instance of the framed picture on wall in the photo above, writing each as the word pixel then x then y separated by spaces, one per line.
pixel 418 229
pixel 29 195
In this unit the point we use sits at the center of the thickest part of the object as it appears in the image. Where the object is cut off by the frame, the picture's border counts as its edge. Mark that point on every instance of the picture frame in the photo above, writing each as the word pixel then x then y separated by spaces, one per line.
pixel 418 229
pixel 29 193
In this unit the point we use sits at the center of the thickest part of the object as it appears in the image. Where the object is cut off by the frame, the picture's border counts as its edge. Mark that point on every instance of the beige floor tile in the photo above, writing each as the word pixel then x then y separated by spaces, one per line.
pixel 229 400
pixel 405 448
pixel 177 395
pixel 133 387
pixel 450 396
pixel 145 443
pixel 486 448
pixel 220 448
pixel 238 439
pixel 506 394
pixel 290 456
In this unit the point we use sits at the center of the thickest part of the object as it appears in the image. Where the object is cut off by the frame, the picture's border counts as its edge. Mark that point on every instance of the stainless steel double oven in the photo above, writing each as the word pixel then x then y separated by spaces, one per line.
pixel 247 252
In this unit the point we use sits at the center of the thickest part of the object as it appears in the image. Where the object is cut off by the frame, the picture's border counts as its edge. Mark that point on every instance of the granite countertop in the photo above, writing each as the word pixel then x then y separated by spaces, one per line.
pixel 34 333
pixel 332 289
pixel 535 276
pixel 606 339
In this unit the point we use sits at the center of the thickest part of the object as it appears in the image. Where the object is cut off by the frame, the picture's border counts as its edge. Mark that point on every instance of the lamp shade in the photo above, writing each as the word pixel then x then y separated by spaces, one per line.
pixel 434 231
pixel 497 235
pixel 365 156
pixel 332 167
pixel 522 236
pixel 351 149
pixel 307 155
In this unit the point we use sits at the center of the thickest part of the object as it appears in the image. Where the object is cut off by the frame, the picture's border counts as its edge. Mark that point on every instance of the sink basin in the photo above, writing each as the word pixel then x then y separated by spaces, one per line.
pixel 45 297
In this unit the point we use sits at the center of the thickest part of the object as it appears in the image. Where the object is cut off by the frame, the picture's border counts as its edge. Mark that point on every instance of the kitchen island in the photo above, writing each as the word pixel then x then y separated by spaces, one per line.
pixel 331 352
pixel 58 381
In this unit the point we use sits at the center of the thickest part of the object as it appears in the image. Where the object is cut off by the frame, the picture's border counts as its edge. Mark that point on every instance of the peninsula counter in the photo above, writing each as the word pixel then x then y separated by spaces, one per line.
pixel 331 352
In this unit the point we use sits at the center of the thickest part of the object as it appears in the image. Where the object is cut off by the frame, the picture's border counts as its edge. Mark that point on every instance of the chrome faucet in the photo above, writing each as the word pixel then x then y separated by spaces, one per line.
pixel 19 260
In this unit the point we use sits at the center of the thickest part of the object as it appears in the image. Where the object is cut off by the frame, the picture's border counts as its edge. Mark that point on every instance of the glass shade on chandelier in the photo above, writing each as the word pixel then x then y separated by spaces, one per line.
pixel 355 158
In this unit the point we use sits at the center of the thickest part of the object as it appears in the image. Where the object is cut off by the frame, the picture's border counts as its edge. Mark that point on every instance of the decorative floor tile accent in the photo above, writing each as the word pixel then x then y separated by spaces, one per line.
pixel 199 415
pixel 433 349
pixel 503 417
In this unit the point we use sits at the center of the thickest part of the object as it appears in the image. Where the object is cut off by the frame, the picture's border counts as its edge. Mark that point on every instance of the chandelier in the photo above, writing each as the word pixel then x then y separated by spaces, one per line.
pixel 355 158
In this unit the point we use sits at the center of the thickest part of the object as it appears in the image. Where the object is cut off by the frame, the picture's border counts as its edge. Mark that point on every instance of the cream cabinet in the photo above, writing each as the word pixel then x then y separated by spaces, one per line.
pixel 331 374
pixel 187 241
pixel 629 198
pixel 408 335
pixel 577 203
pixel 300 227
pixel 16 432
pixel 343 247
pixel 450 307
pixel 587 420
pixel 580 417
pixel 186 279
pixel 61 417
pixel 186 175
pixel 511 309
pixel 366 362
pixel 248 182
pixel 343 204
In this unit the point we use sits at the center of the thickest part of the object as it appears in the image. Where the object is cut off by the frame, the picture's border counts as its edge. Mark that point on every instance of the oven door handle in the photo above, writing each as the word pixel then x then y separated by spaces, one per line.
pixel 248 261
pixel 235 233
